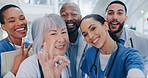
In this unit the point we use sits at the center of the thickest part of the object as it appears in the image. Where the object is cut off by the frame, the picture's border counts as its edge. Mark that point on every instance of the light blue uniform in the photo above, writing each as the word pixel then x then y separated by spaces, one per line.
pixel 6 46
pixel 126 59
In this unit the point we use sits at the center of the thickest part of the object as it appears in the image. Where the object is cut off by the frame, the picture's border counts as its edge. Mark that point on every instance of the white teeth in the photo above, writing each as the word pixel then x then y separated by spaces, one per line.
pixel 114 23
pixel 21 29
pixel 96 40
pixel 69 24
pixel 60 47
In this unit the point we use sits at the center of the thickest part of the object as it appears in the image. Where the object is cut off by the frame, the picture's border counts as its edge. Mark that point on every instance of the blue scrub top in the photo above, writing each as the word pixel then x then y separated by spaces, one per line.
pixel 6 46
pixel 126 59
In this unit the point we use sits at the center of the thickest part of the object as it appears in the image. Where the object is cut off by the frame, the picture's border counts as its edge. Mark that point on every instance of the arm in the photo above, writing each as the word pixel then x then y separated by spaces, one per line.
pixel 20 58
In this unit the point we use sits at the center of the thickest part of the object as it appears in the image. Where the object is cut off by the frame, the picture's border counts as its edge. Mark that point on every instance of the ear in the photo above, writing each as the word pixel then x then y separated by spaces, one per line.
pixel 3 27
pixel 106 26
pixel 80 17
pixel 105 17
pixel 126 18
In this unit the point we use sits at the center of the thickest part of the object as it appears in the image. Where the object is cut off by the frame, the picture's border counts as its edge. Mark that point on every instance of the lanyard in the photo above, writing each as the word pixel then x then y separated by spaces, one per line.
pixel 12 43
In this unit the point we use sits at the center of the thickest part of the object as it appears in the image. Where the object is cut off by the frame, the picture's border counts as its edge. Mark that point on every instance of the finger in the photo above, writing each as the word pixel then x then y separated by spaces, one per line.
pixel 50 51
pixel 45 56
pixel 22 48
pixel 63 64
pixel 27 50
pixel 40 58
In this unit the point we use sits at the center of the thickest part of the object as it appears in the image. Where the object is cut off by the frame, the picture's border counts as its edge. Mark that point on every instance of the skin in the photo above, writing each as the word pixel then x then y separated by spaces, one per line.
pixel 14 19
pixel 70 12
pixel 116 14
pixel 97 35
pixel 54 39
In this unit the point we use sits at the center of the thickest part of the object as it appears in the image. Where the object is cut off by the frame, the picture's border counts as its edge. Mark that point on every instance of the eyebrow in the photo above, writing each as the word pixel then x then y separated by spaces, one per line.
pixel 11 18
pixel 118 10
pixel 64 29
pixel 89 27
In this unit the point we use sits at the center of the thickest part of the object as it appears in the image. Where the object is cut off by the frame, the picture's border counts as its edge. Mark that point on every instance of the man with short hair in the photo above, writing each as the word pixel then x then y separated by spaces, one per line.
pixel 116 16
pixel 71 14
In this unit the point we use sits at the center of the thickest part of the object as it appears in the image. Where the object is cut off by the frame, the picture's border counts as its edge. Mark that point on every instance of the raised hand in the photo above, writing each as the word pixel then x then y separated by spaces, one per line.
pixel 18 59
pixel 47 61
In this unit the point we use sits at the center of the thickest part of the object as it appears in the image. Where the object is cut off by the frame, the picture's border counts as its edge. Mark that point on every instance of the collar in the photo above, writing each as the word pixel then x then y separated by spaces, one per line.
pixel 123 35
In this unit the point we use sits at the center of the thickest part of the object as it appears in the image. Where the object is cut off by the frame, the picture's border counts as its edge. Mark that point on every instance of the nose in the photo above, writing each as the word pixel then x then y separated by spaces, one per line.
pixel 69 18
pixel 90 34
pixel 61 39
pixel 19 22
pixel 115 16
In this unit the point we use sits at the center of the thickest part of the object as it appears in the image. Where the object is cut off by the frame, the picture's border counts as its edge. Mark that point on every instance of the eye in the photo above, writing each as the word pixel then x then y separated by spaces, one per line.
pixel 93 28
pixel 11 21
pixel 64 15
pixel 22 18
pixel 85 35
pixel 74 14
pixel 53 34
pixel 120 13
pixel 110 13
pixel 64 32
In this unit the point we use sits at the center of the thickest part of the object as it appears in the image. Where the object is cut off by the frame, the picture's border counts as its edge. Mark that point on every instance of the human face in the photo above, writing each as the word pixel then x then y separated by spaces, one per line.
pixel 71 15
pixel 15 23
pixel 60 37
pixel 94 32
pixel 116 17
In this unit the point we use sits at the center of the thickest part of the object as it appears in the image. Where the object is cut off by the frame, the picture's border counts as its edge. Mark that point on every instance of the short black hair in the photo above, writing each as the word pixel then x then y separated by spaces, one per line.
pixel 117 2
pixel 4 8
pixel 100 19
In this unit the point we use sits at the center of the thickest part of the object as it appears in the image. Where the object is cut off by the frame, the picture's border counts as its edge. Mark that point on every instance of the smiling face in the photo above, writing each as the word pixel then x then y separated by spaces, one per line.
pixel 71 15
pixel 60 37
pixel 116 17
pixel 94 32
pixel 15 23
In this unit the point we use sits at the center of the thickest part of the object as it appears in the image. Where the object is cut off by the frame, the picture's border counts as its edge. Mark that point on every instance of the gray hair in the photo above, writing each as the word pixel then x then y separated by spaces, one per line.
pixel 39 27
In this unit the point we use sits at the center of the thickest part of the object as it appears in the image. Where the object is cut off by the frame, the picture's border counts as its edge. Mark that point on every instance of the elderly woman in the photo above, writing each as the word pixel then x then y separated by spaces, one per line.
pixel 50 39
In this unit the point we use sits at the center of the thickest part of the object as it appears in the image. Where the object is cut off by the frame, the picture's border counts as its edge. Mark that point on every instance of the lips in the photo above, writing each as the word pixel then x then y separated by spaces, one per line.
pixel 60 47
pixel 114 24
pixel 70 25
pixel 95 40
pixel 21 30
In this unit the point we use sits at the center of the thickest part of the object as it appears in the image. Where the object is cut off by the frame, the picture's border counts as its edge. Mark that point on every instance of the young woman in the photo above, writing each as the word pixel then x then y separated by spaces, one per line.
pixel 51 30
pixel 13 21
pixel 106 57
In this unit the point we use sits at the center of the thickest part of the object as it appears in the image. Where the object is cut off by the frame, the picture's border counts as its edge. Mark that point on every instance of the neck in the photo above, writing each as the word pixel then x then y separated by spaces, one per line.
pixel 73 37
pixel 15 40
pixel 108 46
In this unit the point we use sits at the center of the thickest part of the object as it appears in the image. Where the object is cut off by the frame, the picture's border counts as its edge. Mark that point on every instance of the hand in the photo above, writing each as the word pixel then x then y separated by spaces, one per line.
pixel 47 62
pixel 18 59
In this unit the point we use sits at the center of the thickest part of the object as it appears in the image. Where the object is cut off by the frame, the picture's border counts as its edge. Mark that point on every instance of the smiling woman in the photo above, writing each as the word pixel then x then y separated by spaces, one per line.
pixel 50 39
pixel 14 23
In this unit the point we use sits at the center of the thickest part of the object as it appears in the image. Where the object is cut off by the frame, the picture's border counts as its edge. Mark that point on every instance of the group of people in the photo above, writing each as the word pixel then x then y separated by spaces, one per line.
pixel 71 46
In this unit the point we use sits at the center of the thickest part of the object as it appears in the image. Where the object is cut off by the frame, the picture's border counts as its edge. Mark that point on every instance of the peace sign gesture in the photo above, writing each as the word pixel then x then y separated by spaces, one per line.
pixel 47 61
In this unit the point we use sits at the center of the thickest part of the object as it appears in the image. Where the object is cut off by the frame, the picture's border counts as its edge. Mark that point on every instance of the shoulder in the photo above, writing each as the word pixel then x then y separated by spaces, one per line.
pixel 5 46
pixel 91 51
pixel 136 34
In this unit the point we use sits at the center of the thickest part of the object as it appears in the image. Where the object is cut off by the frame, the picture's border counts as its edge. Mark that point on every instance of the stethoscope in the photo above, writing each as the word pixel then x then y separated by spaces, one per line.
pixel 96 70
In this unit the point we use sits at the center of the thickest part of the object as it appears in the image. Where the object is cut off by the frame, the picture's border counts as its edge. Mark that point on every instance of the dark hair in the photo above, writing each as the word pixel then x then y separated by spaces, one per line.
pixel 4 8
pixel 101 20
pixel 118 2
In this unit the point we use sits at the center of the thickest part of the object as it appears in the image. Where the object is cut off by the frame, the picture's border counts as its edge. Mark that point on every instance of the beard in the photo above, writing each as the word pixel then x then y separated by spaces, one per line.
pixel 119 29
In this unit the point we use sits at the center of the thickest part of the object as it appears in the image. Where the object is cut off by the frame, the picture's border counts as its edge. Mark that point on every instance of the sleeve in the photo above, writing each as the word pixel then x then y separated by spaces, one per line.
pixel 134 60
pixel 9 75
pixel 135 73
pixel 84 66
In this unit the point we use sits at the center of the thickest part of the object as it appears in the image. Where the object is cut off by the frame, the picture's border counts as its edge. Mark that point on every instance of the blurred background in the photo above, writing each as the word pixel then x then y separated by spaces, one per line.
pixel 137 11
